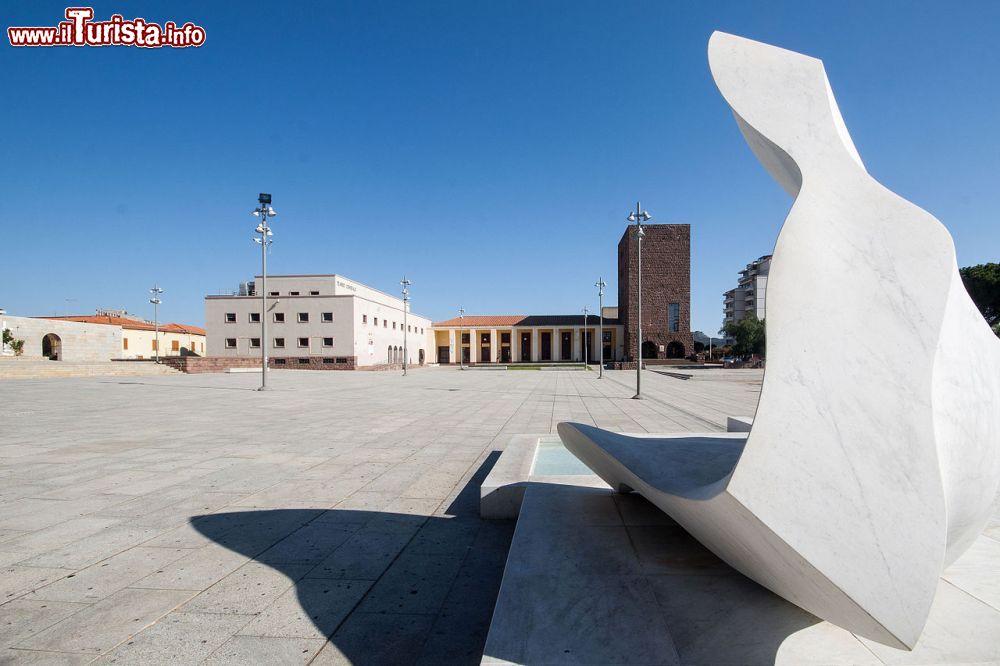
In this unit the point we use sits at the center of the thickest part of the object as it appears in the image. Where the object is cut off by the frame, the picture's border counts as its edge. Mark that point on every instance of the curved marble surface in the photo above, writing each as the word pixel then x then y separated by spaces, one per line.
pixel 869 466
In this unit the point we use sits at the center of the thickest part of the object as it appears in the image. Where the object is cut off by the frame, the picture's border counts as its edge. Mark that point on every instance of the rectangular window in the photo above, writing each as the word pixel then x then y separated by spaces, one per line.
pixel 230 317
pixel 124 343
pixel 376 321
pixel 364 319
pixel 341 359
pixel 385 323
pixel 279 343
pixel 293 293
pixel 154 345
pixel 278 361
pixel 314 293
pixel 327 317
pixel 303 361
pixel 230 343
pixel 674 317
pixel 303 342
pixel 303 317
pixel 272 293
pixel 394 326
pixel 408 329
pixel 279 317
pixel 254 317
pixel 175 345
pixel 327 342
pixel 465 338
pixel 327 360
pixel 255 343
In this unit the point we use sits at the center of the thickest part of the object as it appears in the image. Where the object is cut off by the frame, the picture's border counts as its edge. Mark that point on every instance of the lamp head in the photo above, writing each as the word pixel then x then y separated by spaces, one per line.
pixel 631 217
pixel 264 199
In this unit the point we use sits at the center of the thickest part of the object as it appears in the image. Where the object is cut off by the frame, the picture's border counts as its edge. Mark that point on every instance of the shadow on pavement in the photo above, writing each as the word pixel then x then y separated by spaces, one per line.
pixel 384 587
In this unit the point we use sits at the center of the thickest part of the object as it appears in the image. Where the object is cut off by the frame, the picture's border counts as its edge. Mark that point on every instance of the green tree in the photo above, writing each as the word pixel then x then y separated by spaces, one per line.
pixel 749 333
pixel 983 284
pixel 16 345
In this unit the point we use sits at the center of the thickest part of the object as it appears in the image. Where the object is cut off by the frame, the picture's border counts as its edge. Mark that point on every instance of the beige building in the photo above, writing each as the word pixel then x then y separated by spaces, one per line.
pixel 316 321
pixel 512 339
pixel 139 337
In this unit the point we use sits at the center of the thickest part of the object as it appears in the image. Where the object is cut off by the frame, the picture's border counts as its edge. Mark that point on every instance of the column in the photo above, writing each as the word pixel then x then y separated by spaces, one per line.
pixel 577 347
pixel 473 356
pixel 535 345
pixel 515 345
pixel 494 345
pixel 451 346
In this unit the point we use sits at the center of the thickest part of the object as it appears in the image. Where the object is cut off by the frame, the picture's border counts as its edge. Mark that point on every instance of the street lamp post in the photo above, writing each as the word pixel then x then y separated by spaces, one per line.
pixel 601 284
pixel 638 216
pixel 461 339
pixel 586 311
pixel 406 299
pixel 155 300
pixel 263 211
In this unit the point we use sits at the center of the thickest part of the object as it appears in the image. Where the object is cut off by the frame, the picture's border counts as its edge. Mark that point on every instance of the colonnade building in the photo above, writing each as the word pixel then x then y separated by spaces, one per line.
pixel 666 314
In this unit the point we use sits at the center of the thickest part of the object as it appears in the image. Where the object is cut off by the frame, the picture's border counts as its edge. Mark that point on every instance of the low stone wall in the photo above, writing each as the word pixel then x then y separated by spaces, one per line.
pixel 202 364
pixel 70 341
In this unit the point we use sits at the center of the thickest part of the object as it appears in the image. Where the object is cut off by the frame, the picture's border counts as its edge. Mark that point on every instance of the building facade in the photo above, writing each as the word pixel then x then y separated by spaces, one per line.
pixel 139 339
pixel 750 295
pixel 316 321
pixel 666 315
pixel 512 339
pixel 666 291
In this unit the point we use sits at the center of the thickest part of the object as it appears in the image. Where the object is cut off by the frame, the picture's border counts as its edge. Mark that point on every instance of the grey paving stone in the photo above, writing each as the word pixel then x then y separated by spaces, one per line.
pixel 198 570
pixel 180 638
pixel 376 639
pixel 314 608
pixel 22 618
pixel 242 650
pixel 108 622
pixel 18 580
pixel 109 576
pixel 247 590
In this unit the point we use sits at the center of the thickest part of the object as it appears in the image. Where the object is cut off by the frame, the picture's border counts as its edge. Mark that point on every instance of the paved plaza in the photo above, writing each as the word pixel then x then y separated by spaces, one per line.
pixel 188 519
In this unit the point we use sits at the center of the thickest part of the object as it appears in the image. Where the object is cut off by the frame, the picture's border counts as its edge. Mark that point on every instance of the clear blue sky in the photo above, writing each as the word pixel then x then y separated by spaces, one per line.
pixel 489 150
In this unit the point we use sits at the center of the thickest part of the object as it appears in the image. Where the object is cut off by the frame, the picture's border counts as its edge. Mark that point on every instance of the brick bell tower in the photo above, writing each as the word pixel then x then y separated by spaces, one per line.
pixel 666 290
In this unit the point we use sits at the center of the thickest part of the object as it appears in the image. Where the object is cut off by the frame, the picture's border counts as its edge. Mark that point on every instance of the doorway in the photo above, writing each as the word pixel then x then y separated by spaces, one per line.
pixel 444 356
pixel 649 349
pixel 525 347
pixel 675 350
pixel 484 348
pixel 546 346
pixel 52 347
pixel 566 349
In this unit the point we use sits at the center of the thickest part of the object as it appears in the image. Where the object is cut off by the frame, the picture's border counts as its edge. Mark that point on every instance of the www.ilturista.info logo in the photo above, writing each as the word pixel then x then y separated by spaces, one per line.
pixel 80 30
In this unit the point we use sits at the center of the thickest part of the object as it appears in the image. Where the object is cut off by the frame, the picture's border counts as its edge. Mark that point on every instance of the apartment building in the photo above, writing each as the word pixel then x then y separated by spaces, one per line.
pixel 750 294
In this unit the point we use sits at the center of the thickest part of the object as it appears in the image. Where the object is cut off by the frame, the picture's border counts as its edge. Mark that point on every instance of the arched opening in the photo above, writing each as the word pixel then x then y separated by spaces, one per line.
pixel 52 347
pixel 388 357
pixel 649 349
pixel 421 357
pixel 675 350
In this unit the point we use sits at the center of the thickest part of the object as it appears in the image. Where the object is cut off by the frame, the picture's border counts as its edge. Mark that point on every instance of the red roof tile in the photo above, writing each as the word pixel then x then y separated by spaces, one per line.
pixel 132 324
pixel 477 320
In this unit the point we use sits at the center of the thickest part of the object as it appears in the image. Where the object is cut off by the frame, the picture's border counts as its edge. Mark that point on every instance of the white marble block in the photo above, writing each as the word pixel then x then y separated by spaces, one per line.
pixel 866 471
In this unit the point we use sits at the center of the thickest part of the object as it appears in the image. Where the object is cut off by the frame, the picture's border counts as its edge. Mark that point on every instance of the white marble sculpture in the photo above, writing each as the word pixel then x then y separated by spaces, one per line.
pixel 874 455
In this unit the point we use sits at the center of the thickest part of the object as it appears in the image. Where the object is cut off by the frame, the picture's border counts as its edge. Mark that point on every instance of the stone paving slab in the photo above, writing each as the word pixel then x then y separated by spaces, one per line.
pixel 163 520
